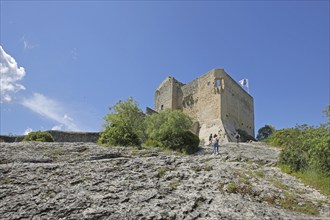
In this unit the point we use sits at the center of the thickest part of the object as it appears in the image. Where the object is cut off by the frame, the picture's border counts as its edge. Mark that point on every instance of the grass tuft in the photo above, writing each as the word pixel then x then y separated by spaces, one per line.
pixel 312 178
pixel 161 172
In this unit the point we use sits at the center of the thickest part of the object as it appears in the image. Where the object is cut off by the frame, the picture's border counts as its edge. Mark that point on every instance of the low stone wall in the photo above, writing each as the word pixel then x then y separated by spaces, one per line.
pixel 11 138
pixel 59 136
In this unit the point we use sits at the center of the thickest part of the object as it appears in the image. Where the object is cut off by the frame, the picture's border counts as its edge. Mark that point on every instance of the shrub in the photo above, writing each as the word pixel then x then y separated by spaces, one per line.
pixel 304 147
pixel 119 135
pixel 170 129
pixel 319 152
pixel 185 142
pixel 151 143
pixel 40 136
pixel 231 187
pixel 190 142
pixel 265 132
pixel 124 126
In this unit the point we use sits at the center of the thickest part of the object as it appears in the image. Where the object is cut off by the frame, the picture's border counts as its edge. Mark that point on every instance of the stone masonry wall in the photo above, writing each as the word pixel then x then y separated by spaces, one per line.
pixel 59 136
pixel 207 107
pixel 163 95
pixel 237 111
pixel 64 136
pixel 215 102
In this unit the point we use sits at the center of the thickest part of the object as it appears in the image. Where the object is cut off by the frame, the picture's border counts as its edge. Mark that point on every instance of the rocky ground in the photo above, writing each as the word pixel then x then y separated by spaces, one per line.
pixel 87 181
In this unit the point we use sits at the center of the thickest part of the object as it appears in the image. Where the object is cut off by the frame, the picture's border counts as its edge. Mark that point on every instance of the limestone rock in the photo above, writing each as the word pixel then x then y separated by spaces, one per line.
pixel 87 181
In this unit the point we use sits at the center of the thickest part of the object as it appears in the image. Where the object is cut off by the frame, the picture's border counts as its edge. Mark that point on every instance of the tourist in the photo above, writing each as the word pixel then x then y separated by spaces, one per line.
pixel 210 140
pixel 215 144
pixel 237 136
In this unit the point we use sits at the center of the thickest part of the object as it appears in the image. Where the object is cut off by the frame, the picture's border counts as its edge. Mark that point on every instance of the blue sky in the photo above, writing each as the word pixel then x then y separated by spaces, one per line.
pixel 64 63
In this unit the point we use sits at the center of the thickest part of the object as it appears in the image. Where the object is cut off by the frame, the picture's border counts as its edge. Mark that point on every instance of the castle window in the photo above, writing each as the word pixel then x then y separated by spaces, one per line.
pixel 218 83
pixel 161 107
pixel 208 83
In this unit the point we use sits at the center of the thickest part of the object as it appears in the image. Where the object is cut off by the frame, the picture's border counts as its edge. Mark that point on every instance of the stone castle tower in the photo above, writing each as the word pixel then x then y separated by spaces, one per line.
pixel 216 103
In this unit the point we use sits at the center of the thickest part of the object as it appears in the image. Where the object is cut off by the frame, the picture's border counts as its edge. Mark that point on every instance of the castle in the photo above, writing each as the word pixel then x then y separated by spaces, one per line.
pixel 216 103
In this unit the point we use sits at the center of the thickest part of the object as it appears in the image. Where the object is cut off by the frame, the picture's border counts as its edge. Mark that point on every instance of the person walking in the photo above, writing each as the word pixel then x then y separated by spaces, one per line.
pixel 210 140
pixel 237 136
pixel 215 142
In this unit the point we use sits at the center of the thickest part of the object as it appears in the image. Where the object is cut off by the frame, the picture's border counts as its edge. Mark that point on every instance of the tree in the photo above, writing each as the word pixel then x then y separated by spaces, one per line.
pixel 304 147
pixel 171 129
pixel 124 126
pixel 40 136
pixel 265 132
pixel 326 111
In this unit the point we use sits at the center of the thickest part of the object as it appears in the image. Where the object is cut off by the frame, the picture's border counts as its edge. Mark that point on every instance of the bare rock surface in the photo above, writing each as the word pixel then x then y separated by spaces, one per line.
pixel 87 181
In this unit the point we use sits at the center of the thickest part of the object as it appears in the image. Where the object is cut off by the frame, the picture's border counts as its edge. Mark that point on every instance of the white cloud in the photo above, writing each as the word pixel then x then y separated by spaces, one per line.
pixel 50 109
pixel 27 44
pixel 27 131
pixel 10 73
pixel 57 127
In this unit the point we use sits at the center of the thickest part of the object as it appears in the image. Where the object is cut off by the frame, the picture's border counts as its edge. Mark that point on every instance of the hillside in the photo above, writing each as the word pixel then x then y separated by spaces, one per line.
pixel 87 181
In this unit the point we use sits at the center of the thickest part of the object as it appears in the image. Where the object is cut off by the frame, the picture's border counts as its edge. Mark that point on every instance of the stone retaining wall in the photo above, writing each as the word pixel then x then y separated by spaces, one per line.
pixel 59 136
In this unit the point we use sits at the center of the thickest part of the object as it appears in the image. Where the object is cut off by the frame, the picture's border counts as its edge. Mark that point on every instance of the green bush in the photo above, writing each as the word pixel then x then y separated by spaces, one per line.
pixel 119 135
pixel 124 126
pixel 151 143
pixel 265 132
pixel 304 148
pixel 306 153
pixel 295 157
pixel 191 142
pixel 185 142
pixel 170 129
pixel 319 152
pixel 40 136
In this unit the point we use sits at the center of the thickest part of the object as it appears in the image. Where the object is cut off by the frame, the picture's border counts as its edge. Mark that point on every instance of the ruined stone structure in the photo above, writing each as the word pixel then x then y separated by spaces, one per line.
pixel 216 102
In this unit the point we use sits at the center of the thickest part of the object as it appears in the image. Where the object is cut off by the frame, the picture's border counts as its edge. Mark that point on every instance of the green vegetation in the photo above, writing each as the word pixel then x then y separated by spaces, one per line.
pixel 174 184
pixel 161 172
pixel 289 202
pixel 311 177
pixel 304 147
pixel 231 187
pixel 270 199
pixel 260 173
pixel 278 184
pixel 306 152
pixel 126 125
pixel 265 132
pixel 315 179
pixel 207 167
pixel 170 129
pixel 40 136
pixel 55 153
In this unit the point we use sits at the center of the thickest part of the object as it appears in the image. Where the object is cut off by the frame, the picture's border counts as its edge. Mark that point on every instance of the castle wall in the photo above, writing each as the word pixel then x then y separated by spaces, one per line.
pixel 163 95
pixel 177 94
pixel 203 100
pixel 237 110
pixel 190 99
pixel 168 95
pixel 217 104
